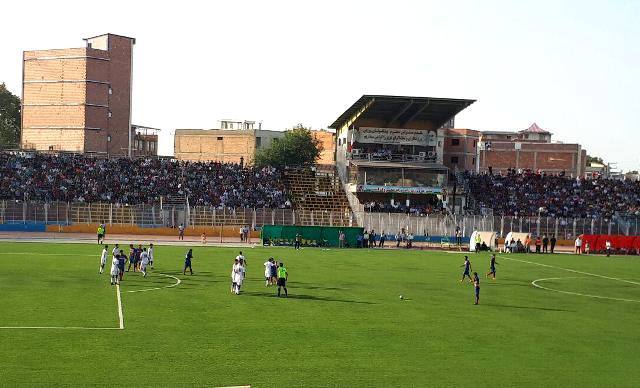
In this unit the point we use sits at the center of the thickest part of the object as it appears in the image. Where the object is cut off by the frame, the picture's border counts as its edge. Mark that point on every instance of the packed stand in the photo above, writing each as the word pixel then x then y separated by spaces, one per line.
pixel 77 178
pixel 422 209
pixel 525 193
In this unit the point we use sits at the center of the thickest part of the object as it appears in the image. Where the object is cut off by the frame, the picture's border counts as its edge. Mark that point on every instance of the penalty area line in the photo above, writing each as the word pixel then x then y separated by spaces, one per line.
pixel 535 284
pixel 572 270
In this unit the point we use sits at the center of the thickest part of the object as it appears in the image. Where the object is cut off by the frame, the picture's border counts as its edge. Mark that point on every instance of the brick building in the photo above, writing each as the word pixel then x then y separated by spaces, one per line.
pixel 529 149
pixel 79 99
pixel 460 148
pixel 236 141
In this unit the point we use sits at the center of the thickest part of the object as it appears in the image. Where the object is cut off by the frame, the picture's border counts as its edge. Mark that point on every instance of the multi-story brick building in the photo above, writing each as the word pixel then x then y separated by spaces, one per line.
pixel 532 149
pixel 79 99
pixel 460 148
pixel 236 142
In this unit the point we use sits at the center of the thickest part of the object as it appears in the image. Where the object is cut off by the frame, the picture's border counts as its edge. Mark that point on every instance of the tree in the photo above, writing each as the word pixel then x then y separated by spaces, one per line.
pixel 9 118
pixel 298 147
pixel 594 159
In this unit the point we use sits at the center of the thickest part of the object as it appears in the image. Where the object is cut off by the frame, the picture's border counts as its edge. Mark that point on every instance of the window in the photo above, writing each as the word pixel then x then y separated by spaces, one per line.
pixel 454 160
pixel 110 91
pixel 455 142
pixel 473 161
pixel 258 141
pixel 339 142
pixel 475 143
pixel 109 114
pixel 219 137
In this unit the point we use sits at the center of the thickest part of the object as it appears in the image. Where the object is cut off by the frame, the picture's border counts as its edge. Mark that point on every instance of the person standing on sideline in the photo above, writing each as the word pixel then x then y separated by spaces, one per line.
pixel 187 262
pixel 553 241
pixel 383 238
pixel 203 237
pixel 283 276
pixel 478 242
pixel 545 244
pixel 181 232
pixel 492 267
pixel 103 258
pixel 578 245
pixel 340 239
pixel 150 253
pixel 365 240
pixel 296 243
pixel 398 239
pixel 458 234
pixel 467 269
pixel 538 244
pixel 100 234
pixel 607 246
pixel 476 287
pixel 241 231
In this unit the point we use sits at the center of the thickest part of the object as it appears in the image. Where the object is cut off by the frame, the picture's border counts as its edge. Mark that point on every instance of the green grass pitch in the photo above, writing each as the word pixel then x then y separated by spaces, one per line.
pixel 343 324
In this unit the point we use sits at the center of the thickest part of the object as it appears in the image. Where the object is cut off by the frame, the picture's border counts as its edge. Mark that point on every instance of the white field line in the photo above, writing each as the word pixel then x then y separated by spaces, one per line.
pixel 120 318
pixel 120 315
pixel 535 284
pixel 572 270
pixel 43 254
pixel 178 281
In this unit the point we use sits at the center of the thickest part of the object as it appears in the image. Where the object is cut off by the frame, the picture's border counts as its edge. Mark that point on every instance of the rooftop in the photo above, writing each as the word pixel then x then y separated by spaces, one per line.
pixel 399 110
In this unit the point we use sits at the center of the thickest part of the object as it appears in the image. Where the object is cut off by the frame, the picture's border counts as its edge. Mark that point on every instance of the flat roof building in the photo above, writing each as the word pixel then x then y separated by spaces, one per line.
pixel 77 99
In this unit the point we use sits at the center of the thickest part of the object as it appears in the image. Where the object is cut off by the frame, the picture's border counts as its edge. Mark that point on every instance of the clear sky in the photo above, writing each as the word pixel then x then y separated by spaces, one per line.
pixel 571 66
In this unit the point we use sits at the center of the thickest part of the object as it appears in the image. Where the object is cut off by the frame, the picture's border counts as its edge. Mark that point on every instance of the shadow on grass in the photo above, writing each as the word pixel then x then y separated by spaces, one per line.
pixel 303 297
pixel 526 307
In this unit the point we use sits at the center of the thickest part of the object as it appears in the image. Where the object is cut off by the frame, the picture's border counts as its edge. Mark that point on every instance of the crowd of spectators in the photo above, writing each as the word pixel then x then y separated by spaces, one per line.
pixel 78 178
pixel 423 209
pixel 528 193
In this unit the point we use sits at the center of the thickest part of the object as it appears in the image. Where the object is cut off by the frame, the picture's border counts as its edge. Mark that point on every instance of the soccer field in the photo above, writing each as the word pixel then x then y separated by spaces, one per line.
pixel 343 324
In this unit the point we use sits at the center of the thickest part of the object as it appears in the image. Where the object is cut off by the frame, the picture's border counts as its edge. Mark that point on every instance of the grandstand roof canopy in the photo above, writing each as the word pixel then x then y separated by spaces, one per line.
pixel 399 110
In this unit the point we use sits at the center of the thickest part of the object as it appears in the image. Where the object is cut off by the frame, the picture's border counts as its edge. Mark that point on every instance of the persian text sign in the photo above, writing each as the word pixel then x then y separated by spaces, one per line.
pixel 398 189
pixel 395 136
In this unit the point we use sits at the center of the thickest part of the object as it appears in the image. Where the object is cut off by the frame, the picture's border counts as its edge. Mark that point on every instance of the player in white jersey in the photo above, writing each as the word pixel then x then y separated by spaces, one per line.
pixel 233 275
pixel 241 257
pixel 150 253
pixel 239 275
pixel 268 265
pixel 115 271
pixel 103 258
pixel 144 261
pixel 116 251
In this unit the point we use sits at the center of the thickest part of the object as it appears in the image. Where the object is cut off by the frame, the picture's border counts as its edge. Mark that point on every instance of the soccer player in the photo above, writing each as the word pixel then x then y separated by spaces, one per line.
pixel 132 258
pixel 476 286
pixel 115 271
pixel 144 261
pixel 239 275
pixel 187 262
pixel 283 276
pixel 122 258
pixel 607 245
pixel 103 258
pixel 150 253
pixel 233 275
pixel 116 251
pixel 203 237
pixel 467 269
pixel 267 272
pixel 241 257
pixel 492 267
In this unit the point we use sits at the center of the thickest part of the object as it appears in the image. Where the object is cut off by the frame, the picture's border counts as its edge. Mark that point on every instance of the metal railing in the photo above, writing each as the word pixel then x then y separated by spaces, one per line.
pixel 63 213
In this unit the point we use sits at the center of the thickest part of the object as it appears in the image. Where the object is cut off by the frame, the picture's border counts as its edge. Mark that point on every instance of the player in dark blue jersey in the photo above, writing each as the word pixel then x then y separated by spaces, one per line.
pixel 492 267
pixel 476 286
pixel 187 262
pixel 122 258
pixel 467 269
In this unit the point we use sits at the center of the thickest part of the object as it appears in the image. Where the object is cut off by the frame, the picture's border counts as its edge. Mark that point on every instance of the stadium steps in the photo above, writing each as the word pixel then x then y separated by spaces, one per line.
pixel 317 196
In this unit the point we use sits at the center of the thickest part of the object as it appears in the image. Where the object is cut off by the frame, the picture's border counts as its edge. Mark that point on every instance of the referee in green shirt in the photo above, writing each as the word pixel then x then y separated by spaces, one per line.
pixel 283 275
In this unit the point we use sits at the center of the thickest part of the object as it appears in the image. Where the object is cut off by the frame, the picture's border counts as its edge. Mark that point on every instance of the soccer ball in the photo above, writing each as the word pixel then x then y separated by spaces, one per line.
pixel 401 297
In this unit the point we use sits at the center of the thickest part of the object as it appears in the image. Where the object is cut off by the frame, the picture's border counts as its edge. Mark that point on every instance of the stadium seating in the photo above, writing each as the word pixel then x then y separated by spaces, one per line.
pixel 318 196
